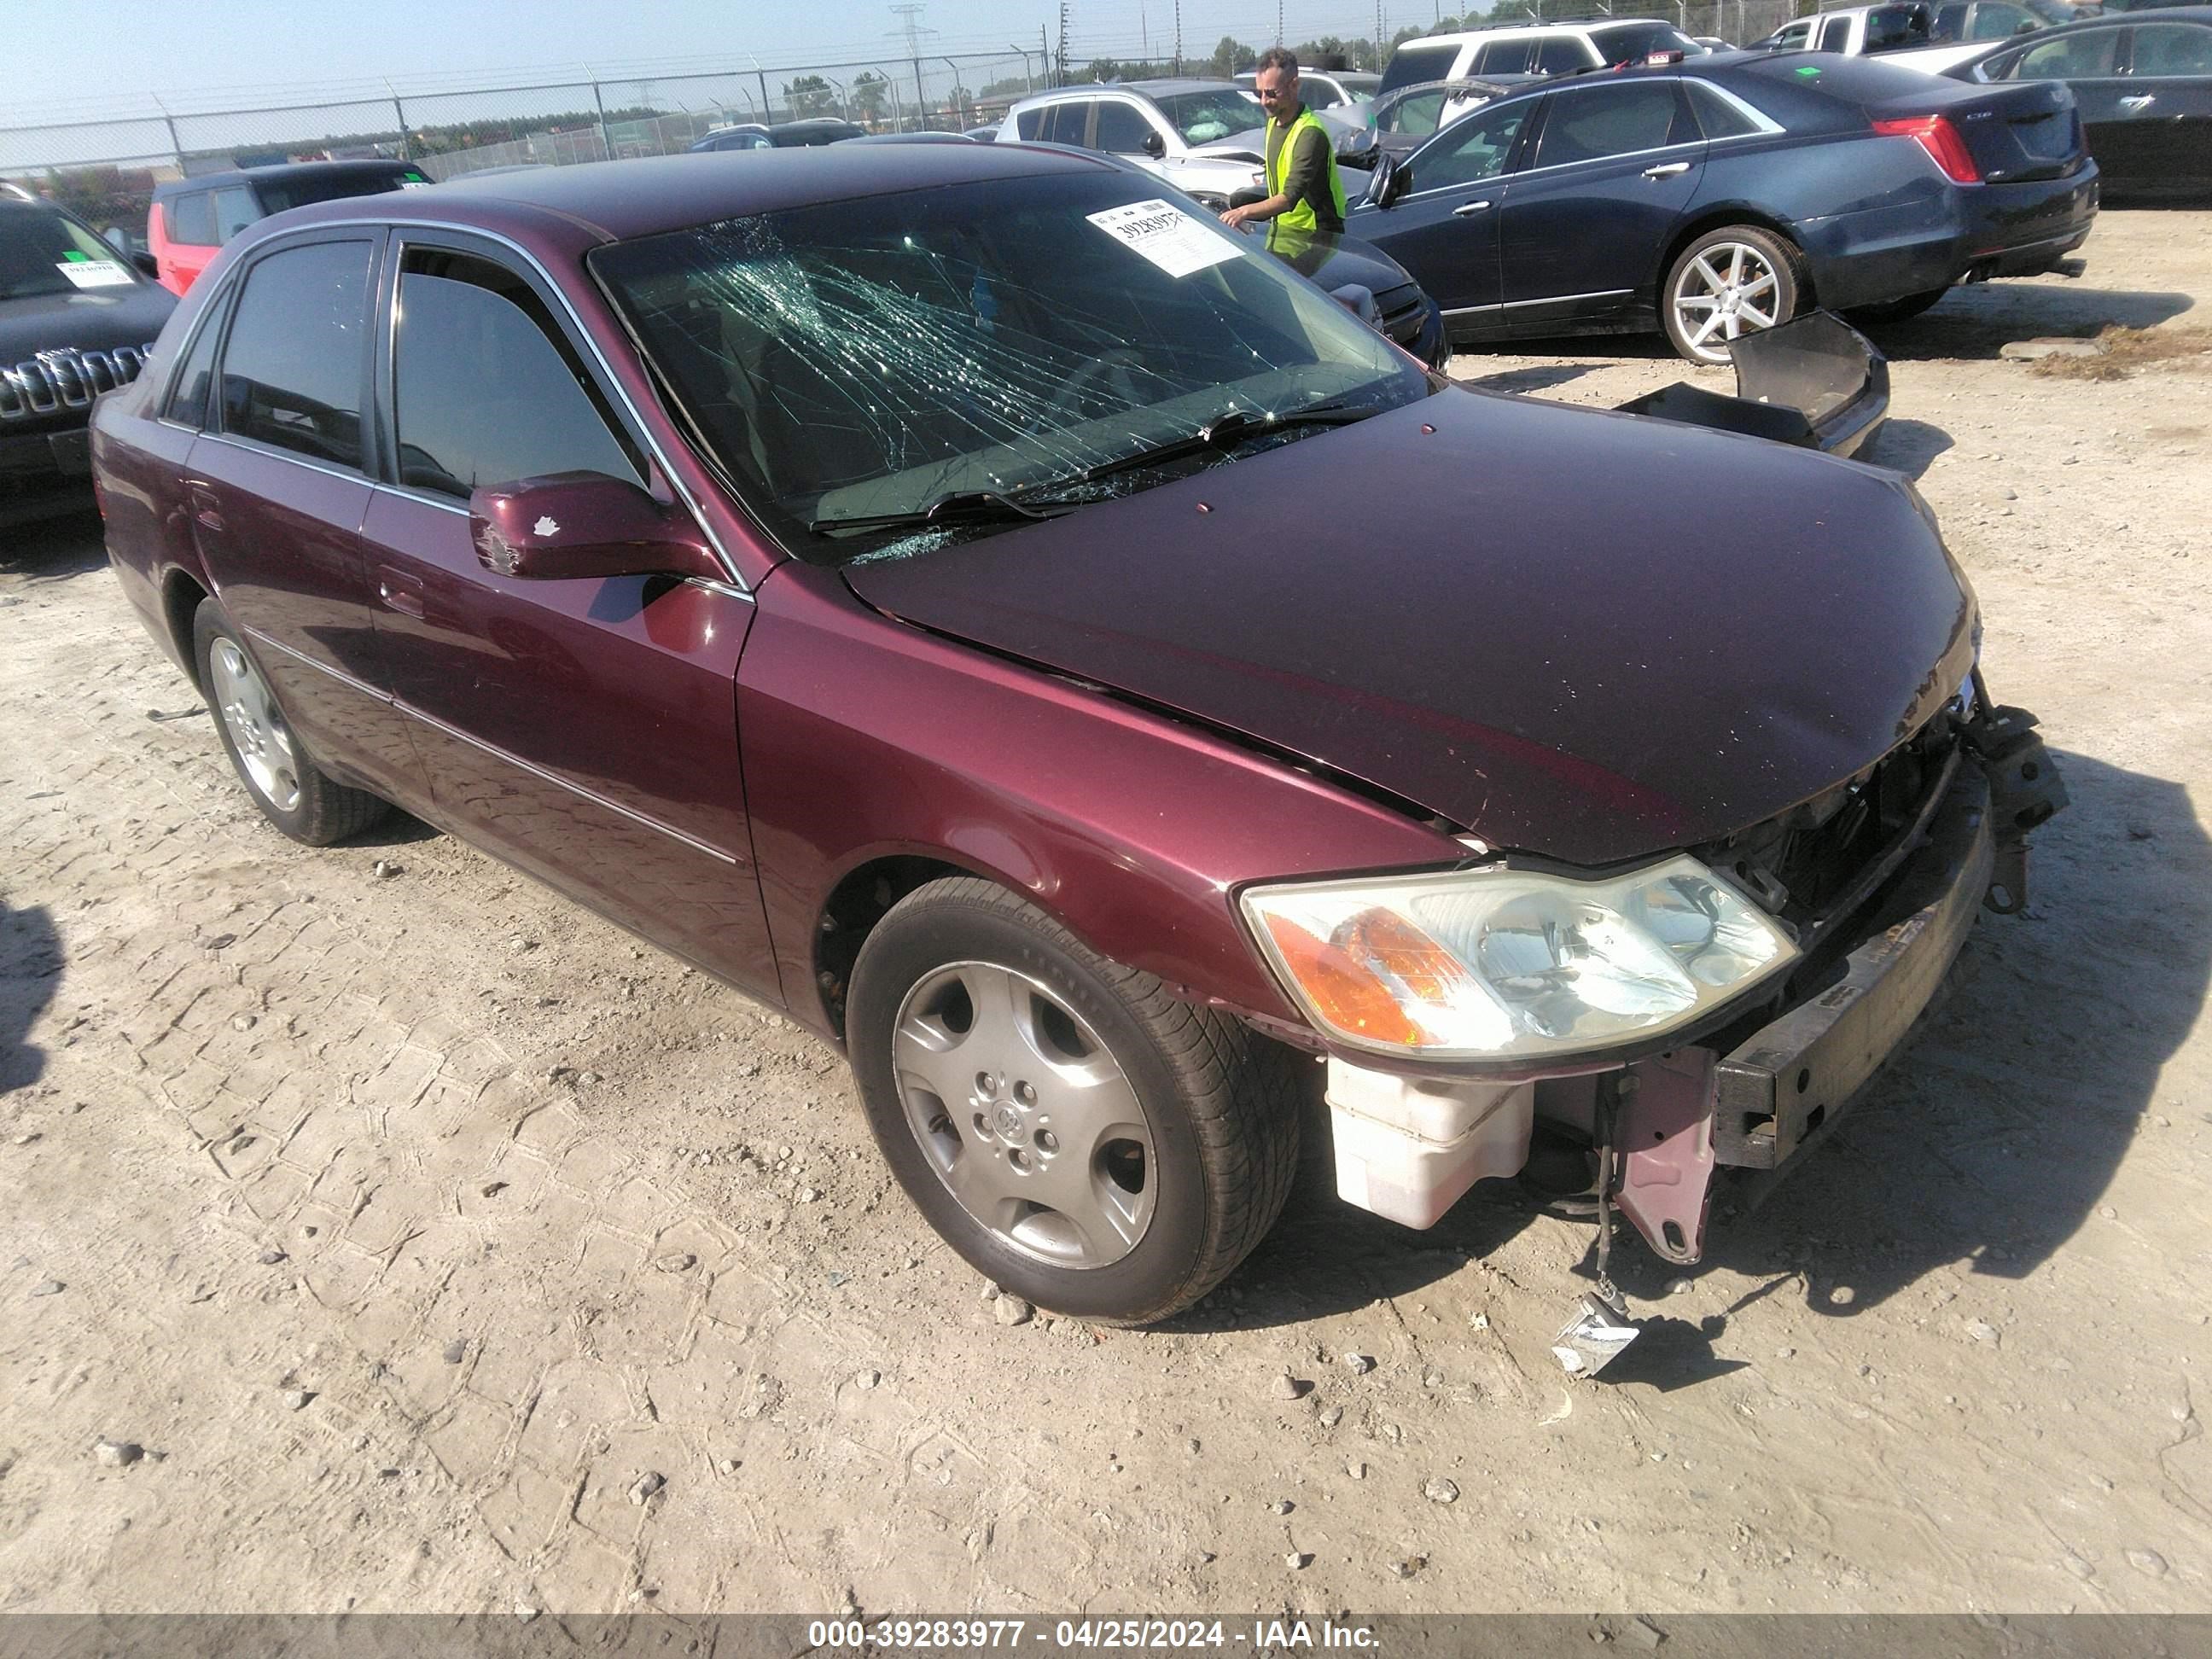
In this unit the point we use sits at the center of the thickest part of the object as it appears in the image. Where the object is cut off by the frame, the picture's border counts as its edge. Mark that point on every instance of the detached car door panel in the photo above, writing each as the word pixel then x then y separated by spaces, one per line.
pixel 2162 118
pixel 1613 170
pixel 278 489
pixel 585 728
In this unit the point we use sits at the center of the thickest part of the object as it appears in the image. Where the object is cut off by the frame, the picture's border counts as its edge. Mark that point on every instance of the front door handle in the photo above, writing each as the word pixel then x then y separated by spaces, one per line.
pixel 2139 103
pixel 1461 211
pixel 1668 170
pixel 397 590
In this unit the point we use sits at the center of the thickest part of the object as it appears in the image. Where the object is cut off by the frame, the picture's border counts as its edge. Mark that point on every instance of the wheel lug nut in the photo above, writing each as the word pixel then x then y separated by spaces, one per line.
pixel 1024 1094
pixel 986 1084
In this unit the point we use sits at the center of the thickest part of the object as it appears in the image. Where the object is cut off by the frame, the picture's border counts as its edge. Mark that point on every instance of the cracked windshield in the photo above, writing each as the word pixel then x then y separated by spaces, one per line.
pixel 878 377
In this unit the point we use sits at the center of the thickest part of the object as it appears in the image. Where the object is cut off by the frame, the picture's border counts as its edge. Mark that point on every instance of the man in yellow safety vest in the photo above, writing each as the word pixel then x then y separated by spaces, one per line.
pixel 1303 190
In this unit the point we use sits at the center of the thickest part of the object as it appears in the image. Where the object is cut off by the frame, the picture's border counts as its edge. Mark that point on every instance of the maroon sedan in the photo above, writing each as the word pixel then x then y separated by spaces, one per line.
pixel 1016 626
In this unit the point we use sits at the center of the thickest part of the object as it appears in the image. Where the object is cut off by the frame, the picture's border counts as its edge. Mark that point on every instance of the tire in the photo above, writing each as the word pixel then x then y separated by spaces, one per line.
pixel 1897 311
pixel 283 779
pixel 1734 281
pixel 1078 1135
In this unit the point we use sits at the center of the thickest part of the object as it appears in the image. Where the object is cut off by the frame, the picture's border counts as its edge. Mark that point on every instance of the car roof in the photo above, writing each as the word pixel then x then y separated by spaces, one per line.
pixel 363 169
pixel 618 200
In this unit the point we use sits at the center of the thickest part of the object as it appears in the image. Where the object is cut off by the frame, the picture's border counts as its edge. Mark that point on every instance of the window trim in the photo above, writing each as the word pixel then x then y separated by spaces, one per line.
pixel 215 315
pixel 384 342
pixel 233 297
pixel 1767 125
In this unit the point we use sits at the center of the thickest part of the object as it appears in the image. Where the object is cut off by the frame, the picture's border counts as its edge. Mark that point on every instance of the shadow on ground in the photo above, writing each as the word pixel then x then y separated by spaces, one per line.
pixel 1989 1142
pixel 1906 446
pixel 53 549
pixel 30 968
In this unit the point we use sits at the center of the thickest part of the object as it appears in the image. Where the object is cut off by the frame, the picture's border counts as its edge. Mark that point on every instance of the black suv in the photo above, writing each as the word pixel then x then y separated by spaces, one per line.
pixel 76 319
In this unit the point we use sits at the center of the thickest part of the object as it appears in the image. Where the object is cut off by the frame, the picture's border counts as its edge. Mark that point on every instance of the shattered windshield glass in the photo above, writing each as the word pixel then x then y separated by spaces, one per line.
pixel 986 354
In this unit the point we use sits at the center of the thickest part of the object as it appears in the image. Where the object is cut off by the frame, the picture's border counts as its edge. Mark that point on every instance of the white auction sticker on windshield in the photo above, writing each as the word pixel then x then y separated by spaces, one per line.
pixel 1166 236
pixel 95 273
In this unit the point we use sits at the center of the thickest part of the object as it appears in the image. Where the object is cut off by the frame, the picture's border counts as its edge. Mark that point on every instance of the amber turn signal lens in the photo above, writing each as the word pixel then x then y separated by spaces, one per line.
pixel 1360 978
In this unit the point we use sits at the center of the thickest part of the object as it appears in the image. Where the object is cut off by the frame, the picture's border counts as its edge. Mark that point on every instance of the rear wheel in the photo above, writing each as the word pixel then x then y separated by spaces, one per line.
pixel 1079 1136
pixel 1730 283
pixel 286 784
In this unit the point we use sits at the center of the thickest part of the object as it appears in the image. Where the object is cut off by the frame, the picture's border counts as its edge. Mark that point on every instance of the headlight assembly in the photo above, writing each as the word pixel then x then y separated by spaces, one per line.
pixel 1501 965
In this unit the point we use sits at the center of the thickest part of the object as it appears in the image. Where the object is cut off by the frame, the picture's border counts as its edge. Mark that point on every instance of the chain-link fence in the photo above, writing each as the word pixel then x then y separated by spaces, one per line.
pixel 107 169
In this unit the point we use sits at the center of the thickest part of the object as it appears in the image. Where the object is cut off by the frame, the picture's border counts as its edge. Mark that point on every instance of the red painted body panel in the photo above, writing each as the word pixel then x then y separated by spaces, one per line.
pixel 866 739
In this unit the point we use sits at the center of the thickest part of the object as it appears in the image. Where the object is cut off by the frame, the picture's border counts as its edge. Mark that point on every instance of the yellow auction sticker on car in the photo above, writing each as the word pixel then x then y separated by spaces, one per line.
pixel 1166 236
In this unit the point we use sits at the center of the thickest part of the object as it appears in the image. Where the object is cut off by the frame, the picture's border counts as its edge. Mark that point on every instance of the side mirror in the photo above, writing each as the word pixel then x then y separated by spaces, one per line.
pixel 146 266
pixel 2028 28
pixel 583 526
pixel 1155 146
pixel 1390 180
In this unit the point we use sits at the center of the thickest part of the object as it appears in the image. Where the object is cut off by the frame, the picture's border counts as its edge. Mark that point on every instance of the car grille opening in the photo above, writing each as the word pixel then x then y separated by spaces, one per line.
pixel 69 379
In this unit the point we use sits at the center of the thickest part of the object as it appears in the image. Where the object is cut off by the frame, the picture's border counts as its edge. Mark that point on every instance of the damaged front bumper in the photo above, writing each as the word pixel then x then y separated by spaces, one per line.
pixel 1662 1127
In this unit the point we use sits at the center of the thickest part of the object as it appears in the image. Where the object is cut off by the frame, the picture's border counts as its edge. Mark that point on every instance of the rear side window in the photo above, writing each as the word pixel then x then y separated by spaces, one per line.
pixel 1503 58
pixel 1836 34
pixel 292 371
pixel 1896 28
pixel 235 209
pixel 1950 23
pixel 2173 49
pixel 1029 123
pixel 1411 65
pixel 188 392
pixel 190 219
pixel 485 388
pixel 1632 43
pixel 1715 115
pixel 1603 121
pixel 277 195
pixel 2000 22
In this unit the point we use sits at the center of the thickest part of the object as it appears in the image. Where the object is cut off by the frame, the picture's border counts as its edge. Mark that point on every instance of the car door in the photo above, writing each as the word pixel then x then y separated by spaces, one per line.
pixel 1125 130
pixel 1616 166
pixel 1444 228
pixel 584 729
pixel 278 482
pixel 188 242
pixel 2162 119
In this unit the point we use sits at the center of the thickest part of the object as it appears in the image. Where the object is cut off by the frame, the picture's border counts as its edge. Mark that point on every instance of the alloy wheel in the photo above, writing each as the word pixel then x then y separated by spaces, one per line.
pixel 1730 289
pixel 1024 1115
pixel 257 731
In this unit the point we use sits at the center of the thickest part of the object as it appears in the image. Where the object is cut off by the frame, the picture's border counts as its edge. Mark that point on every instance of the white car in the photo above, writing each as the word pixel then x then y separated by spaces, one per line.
pixel 1327 89
pixel 1923 34
pixel 1516 49
pixel 1202 137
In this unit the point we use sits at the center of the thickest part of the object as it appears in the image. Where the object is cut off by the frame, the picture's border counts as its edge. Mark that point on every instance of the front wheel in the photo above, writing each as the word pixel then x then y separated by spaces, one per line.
pixel 1728 283
pixel 1078 1135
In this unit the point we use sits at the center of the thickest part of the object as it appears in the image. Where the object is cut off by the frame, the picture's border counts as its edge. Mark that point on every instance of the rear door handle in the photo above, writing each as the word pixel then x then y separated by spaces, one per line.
pixel 1667 170
pixel 1461 211
pixel 2141 101
pixel 397 590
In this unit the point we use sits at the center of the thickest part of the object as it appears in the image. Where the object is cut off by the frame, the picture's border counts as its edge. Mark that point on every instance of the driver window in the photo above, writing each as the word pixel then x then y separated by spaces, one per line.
pixel 1121 130
pixel 1997 22
pixel 1471 150
pixel 2173 49
pixel 466 326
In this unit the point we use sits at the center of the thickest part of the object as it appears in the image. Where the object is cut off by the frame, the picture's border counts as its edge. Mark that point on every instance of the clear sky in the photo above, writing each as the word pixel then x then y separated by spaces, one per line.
pixel 82 59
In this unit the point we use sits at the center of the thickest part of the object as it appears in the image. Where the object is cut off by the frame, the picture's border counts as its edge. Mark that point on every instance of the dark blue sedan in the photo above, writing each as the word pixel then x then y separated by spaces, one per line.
pixel 1728 193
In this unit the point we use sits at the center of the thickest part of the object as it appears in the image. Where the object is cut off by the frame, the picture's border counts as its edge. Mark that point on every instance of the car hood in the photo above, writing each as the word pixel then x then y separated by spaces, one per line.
pixel 1574 633
pixel 90 320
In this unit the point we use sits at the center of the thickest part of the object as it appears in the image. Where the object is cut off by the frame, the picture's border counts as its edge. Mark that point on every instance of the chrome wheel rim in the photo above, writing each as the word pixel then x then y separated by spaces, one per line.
pixel 258 732
pixel 1026 1116
pixel 1730 289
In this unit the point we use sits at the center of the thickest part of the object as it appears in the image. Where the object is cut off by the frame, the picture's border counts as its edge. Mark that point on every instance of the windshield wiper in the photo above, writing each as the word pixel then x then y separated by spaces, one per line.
pixel 1233 427
pixel 956 507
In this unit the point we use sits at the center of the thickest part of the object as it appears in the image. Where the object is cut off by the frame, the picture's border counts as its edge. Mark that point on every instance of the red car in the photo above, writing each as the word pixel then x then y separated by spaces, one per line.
pixel 190 219
pixel 1062 656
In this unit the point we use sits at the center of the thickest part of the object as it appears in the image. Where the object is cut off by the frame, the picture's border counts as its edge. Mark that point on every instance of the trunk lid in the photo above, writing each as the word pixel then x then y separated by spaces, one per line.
pixel 1574 633
pixel 2018 131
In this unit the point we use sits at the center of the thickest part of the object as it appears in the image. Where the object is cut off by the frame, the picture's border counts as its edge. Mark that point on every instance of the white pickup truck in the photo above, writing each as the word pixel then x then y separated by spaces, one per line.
pixel 1930 36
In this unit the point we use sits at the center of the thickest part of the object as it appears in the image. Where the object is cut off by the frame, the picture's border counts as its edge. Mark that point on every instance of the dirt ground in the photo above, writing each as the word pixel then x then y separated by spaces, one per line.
pixel 415 1223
